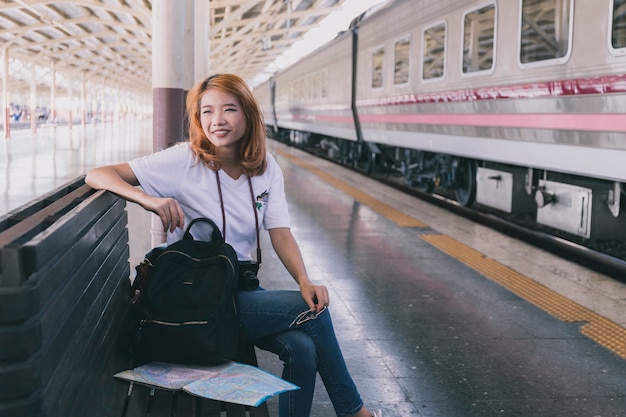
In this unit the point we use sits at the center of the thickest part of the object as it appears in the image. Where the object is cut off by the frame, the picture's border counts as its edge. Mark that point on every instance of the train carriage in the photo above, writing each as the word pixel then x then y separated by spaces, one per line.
pixel 315 98
pixel 264 95
pixel 517 105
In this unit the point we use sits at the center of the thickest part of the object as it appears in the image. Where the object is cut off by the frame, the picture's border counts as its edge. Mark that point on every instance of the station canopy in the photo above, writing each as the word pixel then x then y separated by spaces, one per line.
pixel 110 41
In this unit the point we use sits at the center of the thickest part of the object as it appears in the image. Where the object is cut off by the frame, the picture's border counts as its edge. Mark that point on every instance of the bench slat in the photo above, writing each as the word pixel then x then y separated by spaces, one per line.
pixel 17 215
pixel 12 265
pixel 20 303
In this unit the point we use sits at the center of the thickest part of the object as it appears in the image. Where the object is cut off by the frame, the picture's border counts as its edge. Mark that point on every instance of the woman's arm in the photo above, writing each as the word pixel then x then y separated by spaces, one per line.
pixel 121 180
pixel 286 247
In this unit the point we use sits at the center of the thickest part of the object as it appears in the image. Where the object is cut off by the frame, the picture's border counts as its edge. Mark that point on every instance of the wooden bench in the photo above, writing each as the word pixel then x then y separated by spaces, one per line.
pixel 64 300
pixel 61 301
pixel 157 403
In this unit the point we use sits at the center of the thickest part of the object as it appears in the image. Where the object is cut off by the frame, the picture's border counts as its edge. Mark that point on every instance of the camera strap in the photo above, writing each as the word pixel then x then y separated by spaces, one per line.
pixel 254 209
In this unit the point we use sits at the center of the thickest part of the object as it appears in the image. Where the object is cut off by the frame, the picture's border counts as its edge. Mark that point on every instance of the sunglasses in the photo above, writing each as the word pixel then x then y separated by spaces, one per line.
pixel 306 316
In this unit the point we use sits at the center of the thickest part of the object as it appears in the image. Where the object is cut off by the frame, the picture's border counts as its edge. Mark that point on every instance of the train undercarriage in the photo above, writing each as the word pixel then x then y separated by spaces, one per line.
pixel 424 171
pixel 583 207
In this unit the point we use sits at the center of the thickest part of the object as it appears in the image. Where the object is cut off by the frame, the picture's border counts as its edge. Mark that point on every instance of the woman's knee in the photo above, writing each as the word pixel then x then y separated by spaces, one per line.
pixel 298 349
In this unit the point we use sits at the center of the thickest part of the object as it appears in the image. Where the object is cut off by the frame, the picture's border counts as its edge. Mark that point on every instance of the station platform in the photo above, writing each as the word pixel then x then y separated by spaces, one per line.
pixel 436 316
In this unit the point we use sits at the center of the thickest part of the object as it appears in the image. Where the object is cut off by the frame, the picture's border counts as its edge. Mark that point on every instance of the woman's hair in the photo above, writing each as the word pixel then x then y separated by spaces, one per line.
pixel 252 146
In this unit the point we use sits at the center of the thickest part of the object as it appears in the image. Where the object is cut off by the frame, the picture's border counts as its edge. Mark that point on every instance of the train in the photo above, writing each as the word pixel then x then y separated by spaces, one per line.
pixel 518 106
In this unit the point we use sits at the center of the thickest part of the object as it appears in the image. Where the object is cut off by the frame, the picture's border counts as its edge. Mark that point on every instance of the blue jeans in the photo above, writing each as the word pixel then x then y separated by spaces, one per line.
pixel 305 349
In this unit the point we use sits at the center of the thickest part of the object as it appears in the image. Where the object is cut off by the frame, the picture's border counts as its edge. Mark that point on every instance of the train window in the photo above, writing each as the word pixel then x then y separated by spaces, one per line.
pixel 306 88
pixel 545 30
pixel 297 91
pixel 314 86
pixel 378 66
pixel 402 61
pixel 478 39
pixel 433 60
pixel 618 26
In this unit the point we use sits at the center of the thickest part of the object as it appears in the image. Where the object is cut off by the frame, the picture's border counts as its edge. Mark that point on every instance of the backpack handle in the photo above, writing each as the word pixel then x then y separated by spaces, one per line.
pixel 216 235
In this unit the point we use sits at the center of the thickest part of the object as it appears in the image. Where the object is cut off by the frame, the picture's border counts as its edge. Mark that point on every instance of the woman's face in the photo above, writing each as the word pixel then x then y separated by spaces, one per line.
pixel 222 118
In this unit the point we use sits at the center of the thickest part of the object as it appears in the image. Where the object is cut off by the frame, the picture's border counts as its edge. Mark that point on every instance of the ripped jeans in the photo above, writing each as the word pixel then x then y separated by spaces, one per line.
pixel 305 349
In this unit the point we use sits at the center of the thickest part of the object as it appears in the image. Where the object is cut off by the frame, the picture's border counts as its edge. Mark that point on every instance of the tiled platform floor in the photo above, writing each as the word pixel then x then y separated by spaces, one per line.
pixel 424 333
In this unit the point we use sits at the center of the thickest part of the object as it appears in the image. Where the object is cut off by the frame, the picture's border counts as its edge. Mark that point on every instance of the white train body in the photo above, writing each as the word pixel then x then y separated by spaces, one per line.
pixel 531 92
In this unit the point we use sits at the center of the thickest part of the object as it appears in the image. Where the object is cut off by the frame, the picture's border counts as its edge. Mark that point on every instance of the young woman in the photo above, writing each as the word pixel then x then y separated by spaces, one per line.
pixel 225 173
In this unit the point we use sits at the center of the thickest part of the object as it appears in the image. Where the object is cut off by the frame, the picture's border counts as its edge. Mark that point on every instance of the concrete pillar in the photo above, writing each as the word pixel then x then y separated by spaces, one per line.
pixel 70 99
pixel 83 100
pixel 33 98
pixel 53 95
pixel 115 95
pixel 94 103
pixel 103 95
pixel 201 41
pixel 188 61
pixel 189 45
pixel 168 37
pixel 5 93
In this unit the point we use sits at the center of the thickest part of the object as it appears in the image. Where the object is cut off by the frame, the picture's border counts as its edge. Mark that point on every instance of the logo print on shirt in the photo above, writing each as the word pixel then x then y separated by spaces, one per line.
pixel 262 199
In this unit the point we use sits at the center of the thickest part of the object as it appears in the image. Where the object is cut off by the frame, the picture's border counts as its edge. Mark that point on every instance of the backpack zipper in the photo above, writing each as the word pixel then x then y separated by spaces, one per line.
pixel 167 323
pixel 232 267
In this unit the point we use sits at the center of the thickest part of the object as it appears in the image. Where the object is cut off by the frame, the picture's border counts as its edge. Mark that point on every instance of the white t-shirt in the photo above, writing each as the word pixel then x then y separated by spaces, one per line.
pixel 176 172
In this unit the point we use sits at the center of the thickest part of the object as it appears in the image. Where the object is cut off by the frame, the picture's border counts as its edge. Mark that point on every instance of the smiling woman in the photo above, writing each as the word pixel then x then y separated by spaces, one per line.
pixel 226 174
pixel 223 121
pixel 218 117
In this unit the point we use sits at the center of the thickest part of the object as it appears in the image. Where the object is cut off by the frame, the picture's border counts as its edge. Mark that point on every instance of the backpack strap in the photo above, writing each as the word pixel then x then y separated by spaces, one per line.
pixel 215 234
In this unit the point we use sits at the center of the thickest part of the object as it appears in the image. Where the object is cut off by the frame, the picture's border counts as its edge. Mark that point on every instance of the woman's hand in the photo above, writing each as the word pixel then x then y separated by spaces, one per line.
pixel 316 296
pixel 121 180
pixel 168 210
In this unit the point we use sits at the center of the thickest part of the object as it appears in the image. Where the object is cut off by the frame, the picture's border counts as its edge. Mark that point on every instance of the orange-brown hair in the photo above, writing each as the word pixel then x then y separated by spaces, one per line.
pixel 252 146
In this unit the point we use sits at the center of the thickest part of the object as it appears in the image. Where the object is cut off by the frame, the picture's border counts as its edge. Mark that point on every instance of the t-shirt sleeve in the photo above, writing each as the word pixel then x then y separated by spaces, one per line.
pixel 161 174
pixel 277 213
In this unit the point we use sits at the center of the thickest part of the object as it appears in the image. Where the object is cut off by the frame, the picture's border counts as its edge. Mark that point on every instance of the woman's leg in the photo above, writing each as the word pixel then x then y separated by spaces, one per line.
pixel 297 351
pixel 270 313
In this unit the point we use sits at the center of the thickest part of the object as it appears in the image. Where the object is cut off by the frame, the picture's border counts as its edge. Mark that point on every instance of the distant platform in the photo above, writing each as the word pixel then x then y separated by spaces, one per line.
pixel 33 164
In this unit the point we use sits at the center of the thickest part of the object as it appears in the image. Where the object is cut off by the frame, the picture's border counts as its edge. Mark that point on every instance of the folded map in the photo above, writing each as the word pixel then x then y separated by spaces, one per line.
pixel 232 382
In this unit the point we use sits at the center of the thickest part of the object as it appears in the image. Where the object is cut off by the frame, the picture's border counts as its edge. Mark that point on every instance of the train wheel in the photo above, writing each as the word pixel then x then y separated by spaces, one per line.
pixel 364 159
pixel 408 164
pixel 425 185
pixel 353 155
pixel 466 182
pixel 366 162
pixel 354 158
pixel 347 153
pixel 345 149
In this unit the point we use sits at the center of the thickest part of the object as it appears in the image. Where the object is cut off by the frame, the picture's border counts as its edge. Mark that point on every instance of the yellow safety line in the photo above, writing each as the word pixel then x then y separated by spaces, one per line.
pixel 393 214
pixel 598 328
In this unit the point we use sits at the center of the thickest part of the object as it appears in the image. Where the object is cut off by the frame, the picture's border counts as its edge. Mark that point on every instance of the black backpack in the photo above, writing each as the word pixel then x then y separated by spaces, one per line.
pixel 186 298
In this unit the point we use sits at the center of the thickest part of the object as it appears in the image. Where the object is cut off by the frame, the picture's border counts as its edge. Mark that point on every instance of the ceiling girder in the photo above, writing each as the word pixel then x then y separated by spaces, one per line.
pixel 112 40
